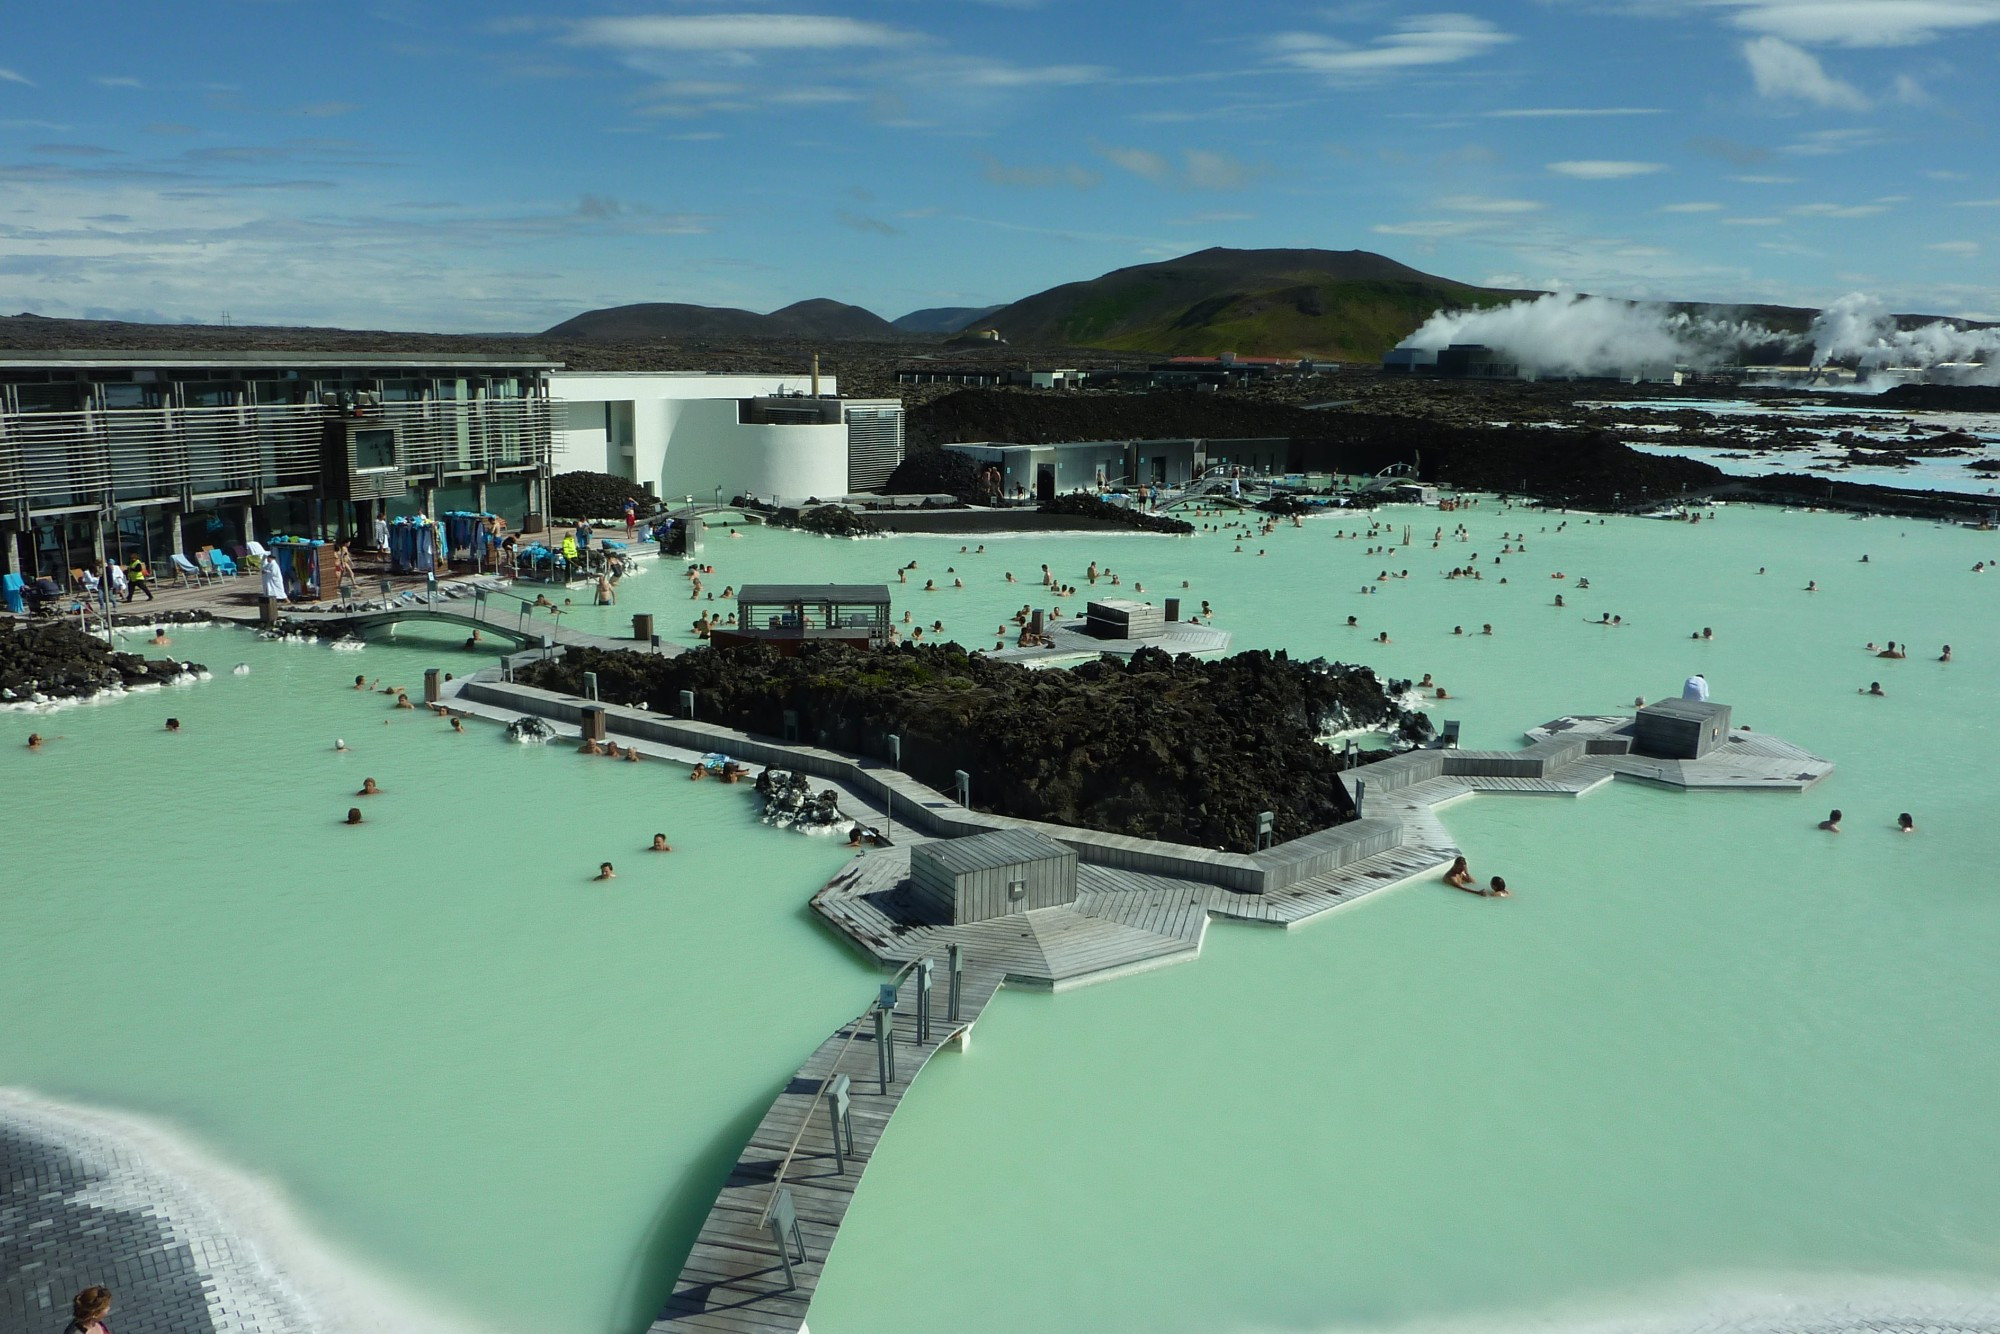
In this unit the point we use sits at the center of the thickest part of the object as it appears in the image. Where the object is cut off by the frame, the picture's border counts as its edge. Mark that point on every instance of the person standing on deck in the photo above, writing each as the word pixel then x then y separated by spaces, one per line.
pixel 1696 688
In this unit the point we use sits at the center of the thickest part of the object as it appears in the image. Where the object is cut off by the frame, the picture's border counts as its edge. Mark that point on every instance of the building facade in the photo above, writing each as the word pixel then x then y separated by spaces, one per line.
pixel 112 454
pixel 692 433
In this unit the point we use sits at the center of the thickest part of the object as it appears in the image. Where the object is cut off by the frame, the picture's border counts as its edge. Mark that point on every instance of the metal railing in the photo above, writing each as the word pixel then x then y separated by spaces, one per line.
pixel 66 458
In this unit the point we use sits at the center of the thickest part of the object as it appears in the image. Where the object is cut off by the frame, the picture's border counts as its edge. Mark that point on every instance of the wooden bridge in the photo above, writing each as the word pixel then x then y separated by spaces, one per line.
pixel 486 613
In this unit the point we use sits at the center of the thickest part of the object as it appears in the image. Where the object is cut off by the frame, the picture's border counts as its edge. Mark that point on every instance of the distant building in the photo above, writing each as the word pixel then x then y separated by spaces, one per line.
pixel 693 433
pixel 1086 465
pixel 120 453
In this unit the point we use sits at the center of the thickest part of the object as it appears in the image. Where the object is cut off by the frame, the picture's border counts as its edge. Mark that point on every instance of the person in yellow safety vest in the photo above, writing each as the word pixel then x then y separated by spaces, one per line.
pixel 139 579
pixel 569 548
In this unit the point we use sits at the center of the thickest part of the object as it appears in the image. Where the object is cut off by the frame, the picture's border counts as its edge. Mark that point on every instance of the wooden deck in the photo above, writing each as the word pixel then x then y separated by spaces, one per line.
pixel 1068 640
pixel 1123 920
pixel 734 1278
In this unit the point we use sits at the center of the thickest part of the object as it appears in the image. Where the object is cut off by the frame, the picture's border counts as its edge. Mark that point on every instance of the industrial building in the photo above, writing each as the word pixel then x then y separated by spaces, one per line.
pixel 152 453
pixel 693 433
pixel 1045 471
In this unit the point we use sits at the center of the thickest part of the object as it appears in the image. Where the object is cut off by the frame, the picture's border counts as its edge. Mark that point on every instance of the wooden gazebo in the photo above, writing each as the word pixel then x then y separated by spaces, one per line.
pixel 792 614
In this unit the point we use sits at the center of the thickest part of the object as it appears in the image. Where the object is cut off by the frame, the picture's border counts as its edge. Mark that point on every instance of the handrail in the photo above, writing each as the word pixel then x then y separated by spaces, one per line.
pixel 778 1180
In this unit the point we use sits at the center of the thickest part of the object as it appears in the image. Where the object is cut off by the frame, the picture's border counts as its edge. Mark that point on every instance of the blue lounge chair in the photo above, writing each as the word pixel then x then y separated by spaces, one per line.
pixel 222 563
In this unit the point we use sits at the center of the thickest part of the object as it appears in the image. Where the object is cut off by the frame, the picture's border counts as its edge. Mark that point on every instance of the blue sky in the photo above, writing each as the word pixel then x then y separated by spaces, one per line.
pixel 462 166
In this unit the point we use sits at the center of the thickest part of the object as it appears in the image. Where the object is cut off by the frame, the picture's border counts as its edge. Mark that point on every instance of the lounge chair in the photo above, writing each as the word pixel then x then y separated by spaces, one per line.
pixel 207 566
pixel 222 563
pixel 185 569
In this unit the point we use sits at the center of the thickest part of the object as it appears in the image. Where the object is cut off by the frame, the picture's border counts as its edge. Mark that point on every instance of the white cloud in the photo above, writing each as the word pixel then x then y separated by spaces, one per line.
pixel 1766 180
pixel 1432 230
pixel 1482 204
pixel 1698 207
pixel 1554 113
pixel 1597 169
pixel 737 32
pixel 1202 170
pixel 1826 143
pixel 1208 219
pixel 1977 203
pixel 1781 70
pixel 1954 247
pixel 1425 39
pixel 1840 210
pixel 9 76
pixel 1216 171
pixel 1037 177
pixel 1860 22
pixel 1140 162
pixel 1751 222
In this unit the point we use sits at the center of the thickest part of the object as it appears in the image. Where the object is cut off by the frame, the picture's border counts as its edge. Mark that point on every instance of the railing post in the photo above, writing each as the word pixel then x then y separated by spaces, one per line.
pixel 843 1124
pixel 687 704
pixel 885 1035
pixel 924 967
pixel 784 1225
pixel 955 961
pixel 1360 791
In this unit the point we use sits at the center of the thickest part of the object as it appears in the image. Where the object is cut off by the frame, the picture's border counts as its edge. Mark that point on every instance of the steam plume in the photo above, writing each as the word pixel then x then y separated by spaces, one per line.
pixel 1567 334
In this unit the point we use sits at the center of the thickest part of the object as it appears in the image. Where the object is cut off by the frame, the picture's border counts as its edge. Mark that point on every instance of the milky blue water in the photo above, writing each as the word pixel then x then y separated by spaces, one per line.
pixel 1708 1059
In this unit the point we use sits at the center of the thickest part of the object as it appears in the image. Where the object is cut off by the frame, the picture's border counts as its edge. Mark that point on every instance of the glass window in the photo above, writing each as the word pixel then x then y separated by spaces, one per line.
pixel 374 450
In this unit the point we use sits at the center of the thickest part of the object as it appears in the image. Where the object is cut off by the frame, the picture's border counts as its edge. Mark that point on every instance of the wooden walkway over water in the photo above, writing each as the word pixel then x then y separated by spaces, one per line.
pixel 735 1278
pixel 1139 905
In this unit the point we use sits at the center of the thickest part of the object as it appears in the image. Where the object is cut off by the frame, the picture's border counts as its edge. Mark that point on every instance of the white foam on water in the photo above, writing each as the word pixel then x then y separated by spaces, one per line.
pixel 1739 1303
pixel 267 1266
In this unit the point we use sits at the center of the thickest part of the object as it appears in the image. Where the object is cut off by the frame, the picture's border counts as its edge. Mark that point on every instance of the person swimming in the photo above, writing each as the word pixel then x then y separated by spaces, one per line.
pixel 1460 876
pixel 604 872
pixel 1831 823
pixel 1497 889
pixel 1946 655
pixel 660 844
pixel 34 741
pixel 1874 688
pixel 353 815
pixel 1906 824
pixel 369 789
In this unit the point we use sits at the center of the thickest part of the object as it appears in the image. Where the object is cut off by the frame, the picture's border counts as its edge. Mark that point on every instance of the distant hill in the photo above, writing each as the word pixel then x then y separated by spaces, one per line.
pixel 1347 304
pixel 942 319
pixel 670 319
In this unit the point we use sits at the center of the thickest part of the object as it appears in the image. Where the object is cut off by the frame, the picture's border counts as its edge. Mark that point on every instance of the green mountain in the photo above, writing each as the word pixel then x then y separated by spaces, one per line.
pixel 1345 304
pixel 817 318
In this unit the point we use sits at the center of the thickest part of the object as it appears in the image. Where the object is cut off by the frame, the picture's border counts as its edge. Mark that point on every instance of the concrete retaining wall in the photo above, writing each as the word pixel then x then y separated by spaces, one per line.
pixel 916 806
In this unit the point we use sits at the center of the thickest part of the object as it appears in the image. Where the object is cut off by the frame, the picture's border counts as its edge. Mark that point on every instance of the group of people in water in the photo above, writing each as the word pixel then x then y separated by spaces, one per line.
pixel 1905 823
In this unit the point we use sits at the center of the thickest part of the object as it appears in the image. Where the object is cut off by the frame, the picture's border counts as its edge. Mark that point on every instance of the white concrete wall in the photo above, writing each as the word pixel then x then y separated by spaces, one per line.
pixel 708 447
pixel 686 438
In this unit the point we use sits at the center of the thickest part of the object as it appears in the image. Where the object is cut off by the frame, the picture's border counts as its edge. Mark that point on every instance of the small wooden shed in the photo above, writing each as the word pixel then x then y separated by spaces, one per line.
pixel 985 876
pixel 1680 729
pixel 1122 618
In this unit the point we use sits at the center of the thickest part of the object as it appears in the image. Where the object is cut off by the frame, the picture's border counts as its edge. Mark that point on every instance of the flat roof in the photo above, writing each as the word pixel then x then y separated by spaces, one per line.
pixel 786 594
pixel 986 852
pixel 124 359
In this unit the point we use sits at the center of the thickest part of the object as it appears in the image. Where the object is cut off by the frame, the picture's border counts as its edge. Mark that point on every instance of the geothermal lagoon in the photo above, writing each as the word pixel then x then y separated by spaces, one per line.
pixel 1709 1064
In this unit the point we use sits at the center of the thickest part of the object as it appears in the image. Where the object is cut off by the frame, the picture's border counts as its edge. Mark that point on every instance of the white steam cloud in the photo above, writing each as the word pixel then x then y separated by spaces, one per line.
pixel 1562 334
pixel 1859 330
pixel 1566 334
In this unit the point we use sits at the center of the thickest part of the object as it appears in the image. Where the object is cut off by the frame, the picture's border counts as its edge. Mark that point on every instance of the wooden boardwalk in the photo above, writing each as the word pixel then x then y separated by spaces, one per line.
pixel 734 1278
pixel 1139 905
